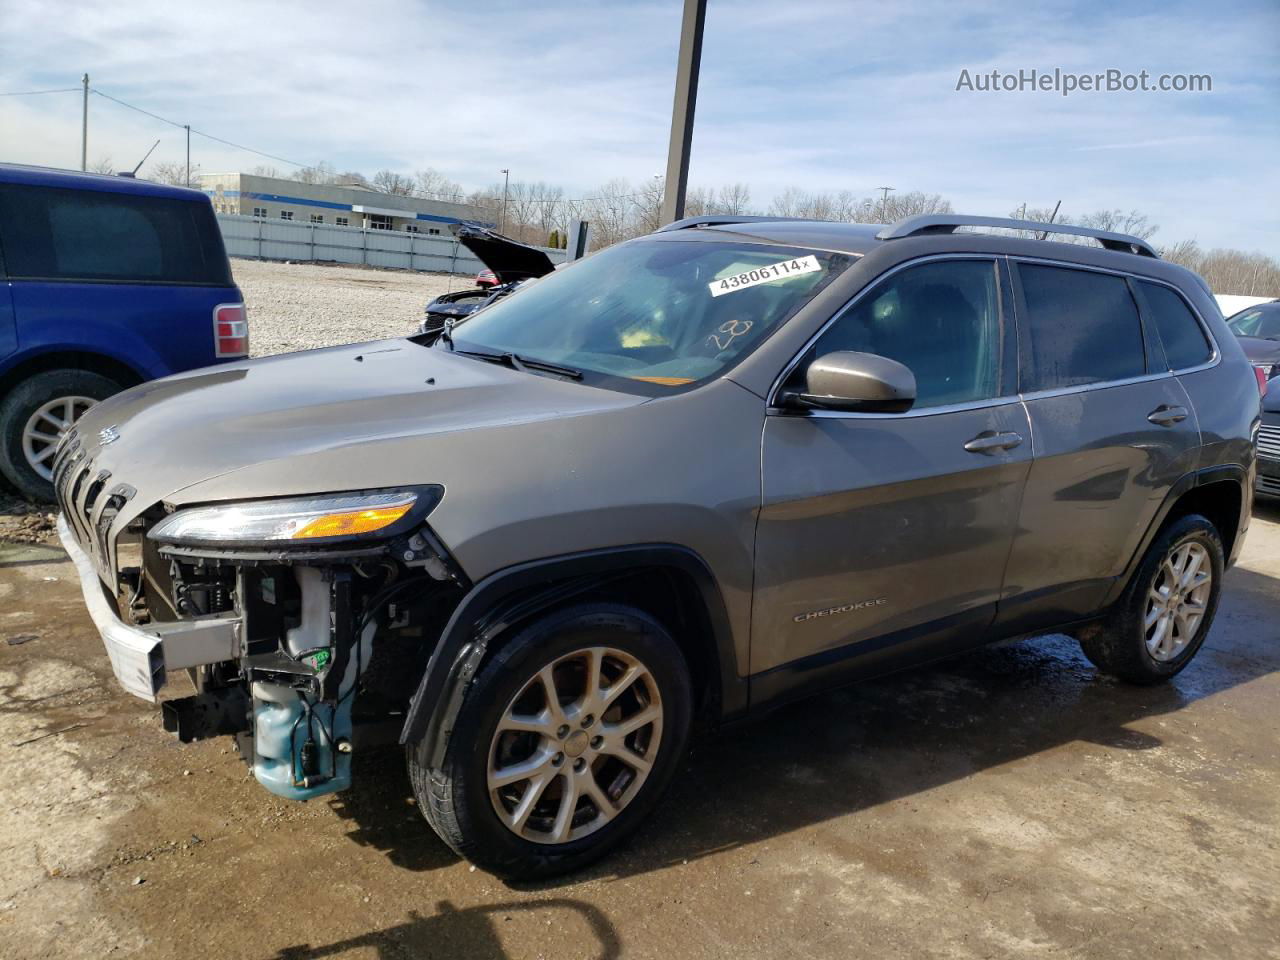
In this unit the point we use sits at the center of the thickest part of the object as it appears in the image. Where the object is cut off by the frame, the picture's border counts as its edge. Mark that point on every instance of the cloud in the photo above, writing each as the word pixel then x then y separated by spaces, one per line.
pixel 821 95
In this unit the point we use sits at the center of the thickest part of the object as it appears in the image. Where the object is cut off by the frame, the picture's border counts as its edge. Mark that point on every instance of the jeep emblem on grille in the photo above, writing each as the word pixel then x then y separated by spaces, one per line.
pixel 108 435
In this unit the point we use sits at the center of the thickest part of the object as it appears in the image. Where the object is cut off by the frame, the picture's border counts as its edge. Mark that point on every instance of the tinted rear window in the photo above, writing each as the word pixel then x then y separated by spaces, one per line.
pixel 1184 341
pixel 1082 327
pixel 59 234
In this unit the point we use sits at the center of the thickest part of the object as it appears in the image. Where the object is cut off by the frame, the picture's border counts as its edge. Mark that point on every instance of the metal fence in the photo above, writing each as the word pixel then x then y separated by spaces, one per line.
pixel 262 239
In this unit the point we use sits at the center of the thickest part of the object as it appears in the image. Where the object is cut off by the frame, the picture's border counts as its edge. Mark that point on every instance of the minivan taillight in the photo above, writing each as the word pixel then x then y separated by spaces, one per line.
pixel 1261 374
pixel 230 330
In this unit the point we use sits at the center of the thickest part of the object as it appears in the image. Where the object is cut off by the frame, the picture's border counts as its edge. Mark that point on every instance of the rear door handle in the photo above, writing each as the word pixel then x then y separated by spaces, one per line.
pixel 1167 416
pixel 990 442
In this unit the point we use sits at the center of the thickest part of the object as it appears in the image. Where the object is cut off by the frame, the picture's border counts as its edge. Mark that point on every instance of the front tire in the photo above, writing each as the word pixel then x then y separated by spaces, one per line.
pixel 565 742
pixel 35 414
pixel 1161 620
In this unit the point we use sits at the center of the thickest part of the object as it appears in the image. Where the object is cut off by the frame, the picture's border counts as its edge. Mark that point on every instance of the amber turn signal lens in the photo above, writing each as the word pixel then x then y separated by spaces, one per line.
pixel 355 521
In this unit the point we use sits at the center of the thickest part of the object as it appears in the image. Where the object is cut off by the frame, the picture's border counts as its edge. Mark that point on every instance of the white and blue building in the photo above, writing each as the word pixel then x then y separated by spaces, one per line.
pixel 272 198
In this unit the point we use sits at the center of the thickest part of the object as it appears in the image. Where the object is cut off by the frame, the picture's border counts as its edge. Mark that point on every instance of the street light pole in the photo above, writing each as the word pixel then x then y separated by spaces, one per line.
pixel 686 98
pixel 84 126
pixel 506 179
pixel 188 154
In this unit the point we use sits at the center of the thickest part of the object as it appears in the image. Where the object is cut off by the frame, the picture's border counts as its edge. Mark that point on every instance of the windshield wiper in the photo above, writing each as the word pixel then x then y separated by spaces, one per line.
pixel 517 362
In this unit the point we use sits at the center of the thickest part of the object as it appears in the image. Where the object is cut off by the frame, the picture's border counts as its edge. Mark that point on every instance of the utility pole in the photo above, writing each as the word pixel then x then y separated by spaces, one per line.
pixel 506 180
pixel 884 201
pixel 686 98
pixel 188 127
pixel 84 127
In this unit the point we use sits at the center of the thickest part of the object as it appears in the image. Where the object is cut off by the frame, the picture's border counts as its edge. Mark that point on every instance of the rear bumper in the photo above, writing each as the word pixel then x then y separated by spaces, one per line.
pixel 141 655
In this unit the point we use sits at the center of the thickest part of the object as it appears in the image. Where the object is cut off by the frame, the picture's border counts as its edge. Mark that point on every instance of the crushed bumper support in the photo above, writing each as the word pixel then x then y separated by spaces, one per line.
pixel 141 655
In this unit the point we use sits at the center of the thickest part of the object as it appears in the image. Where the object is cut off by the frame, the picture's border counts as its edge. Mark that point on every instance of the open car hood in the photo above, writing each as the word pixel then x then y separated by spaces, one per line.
pixel 509 260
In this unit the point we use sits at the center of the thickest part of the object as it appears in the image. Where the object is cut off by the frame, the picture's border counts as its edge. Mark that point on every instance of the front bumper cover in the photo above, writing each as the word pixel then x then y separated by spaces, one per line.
pixel 141 655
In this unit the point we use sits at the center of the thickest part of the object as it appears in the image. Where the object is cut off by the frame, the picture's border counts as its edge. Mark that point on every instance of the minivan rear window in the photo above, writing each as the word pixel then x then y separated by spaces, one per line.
pixel 53 233
pixel 1180 332
pixel 1082 327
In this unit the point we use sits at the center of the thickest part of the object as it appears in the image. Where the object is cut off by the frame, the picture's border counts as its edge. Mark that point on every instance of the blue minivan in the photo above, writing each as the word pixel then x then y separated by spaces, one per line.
pixel 104 282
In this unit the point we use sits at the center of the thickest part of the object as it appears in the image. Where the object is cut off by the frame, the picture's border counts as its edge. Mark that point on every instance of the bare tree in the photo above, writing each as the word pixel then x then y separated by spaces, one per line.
pixel 432 183
pixel 609 211
pixel 914 203
pixel 396 184
pixel 649 205
pixel 102 165
pixel 1187 253
pixel 322 172
pixel 266 170
pixel 1134 223
pixel 1232 271
pixel 733 199
pixel 173 172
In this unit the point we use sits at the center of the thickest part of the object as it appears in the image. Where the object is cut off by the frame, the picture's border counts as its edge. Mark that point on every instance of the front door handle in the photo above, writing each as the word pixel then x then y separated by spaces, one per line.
pixel 990 442
pixel 1167 416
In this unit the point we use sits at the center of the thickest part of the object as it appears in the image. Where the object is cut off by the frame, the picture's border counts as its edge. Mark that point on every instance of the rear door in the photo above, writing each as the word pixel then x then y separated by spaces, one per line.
pixel 135 277
pixel 1112 431
pixel 887 534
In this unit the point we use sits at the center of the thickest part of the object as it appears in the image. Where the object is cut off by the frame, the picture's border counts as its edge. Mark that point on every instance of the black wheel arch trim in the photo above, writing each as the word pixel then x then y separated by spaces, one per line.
pixel 1232 472
pixel 491 606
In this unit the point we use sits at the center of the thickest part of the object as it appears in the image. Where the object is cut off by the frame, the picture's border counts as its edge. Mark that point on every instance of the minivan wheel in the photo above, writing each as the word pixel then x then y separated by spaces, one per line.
pixel 35 414
pixel 565 741
pixel 1162 618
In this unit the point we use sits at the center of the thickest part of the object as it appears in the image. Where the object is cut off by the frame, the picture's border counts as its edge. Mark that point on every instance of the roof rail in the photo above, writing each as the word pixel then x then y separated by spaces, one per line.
pixel 947 222
pixel 720 220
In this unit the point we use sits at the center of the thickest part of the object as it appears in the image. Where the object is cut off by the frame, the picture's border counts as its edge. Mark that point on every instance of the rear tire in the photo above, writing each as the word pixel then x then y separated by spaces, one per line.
pixel 1161 620
pixel 588 784
pixel 29 418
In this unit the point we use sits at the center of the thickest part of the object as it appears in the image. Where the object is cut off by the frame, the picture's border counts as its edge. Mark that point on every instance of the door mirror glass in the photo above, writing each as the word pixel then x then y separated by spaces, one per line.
pixel 862 382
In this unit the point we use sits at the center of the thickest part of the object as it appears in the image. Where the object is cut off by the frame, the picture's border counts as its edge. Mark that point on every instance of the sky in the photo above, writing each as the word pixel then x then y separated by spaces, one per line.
pixel 813 94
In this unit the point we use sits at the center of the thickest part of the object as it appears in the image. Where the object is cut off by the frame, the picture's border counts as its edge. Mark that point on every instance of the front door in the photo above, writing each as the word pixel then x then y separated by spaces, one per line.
pixel 887 534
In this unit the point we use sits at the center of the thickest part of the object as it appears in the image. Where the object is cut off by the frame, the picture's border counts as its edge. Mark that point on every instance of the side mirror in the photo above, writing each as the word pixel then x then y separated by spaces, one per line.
pixel 861 382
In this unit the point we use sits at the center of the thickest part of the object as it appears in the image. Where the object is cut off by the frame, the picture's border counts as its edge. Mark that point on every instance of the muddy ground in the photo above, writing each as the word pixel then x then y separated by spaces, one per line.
pixel 1009 803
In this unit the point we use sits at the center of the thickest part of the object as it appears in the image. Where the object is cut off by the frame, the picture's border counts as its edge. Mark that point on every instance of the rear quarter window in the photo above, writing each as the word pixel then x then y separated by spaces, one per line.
pixel 1081 327
pixel 52 233
pixel 1185 344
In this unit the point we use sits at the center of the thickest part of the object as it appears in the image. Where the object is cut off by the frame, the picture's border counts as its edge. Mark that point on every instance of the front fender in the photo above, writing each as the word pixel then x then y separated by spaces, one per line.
pixel 514 594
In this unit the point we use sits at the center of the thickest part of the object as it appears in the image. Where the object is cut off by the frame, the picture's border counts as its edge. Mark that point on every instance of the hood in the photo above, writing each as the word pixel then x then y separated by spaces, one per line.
pixel 344 418
pixel 1259 350
pixel 509 260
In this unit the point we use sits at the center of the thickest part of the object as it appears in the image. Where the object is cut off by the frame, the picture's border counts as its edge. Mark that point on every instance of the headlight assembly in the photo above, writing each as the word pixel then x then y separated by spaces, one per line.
pixel 299 521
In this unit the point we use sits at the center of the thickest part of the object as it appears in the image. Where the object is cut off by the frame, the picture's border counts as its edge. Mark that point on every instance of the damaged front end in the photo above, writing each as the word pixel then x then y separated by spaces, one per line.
pixel 304 624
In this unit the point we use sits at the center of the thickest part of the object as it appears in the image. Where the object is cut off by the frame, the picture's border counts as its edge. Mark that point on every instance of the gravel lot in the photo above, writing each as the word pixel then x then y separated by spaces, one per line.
pixel 299 306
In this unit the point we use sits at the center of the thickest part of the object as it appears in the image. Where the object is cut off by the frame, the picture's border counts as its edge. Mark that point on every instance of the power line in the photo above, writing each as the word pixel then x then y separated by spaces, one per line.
pixel 34 93
pixel 451 197
pixel 207 136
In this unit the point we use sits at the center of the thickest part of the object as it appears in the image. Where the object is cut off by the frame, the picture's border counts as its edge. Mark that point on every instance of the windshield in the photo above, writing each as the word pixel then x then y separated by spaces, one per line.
pixel 654 315
pixel 1262 321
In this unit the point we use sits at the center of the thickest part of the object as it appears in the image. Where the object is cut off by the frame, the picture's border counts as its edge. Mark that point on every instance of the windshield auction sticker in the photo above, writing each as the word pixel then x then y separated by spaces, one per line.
pixel 767 274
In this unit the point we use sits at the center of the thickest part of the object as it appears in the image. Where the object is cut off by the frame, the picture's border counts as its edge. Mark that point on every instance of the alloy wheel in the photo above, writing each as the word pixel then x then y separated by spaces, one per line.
pixel 45 427
pixel 575 745
pixel 1177 600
